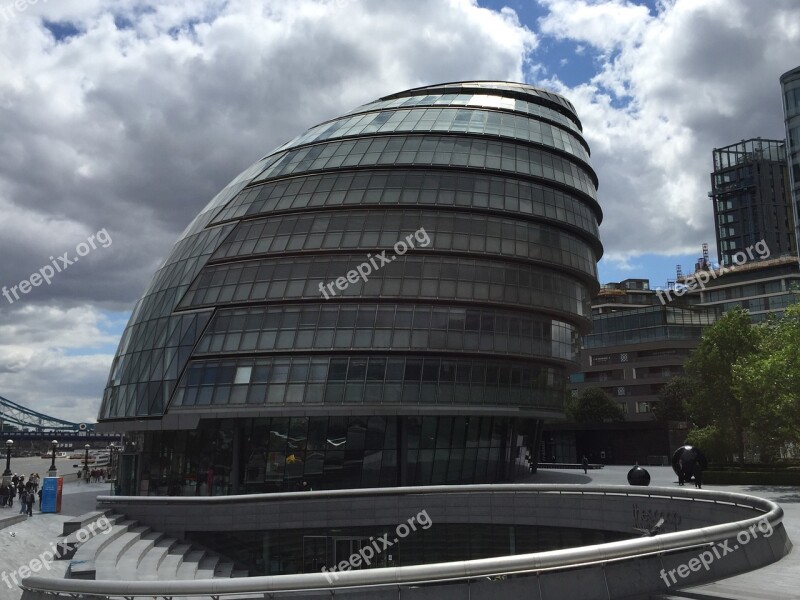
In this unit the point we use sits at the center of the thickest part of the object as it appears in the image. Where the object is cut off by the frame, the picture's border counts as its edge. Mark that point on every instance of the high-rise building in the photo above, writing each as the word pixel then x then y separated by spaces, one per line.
pixel 394 297
pixel 637 344
pixel 750 192
pixel 790 86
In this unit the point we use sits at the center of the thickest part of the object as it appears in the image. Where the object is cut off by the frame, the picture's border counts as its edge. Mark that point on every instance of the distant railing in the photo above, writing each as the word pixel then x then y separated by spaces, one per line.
pixel 402 577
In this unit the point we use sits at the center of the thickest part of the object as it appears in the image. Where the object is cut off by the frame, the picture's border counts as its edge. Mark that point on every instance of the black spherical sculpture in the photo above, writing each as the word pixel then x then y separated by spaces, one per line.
pixel 686 461
pixel 638 476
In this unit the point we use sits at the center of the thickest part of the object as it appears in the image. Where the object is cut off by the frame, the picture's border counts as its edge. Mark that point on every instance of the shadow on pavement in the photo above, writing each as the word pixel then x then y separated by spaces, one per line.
pixel 784 494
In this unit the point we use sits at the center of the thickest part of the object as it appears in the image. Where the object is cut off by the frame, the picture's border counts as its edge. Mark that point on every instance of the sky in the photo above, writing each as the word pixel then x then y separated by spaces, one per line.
pixel 120 119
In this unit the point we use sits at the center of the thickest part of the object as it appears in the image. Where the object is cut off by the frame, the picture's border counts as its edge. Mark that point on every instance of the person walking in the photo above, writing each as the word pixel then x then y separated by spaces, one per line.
pixel 12 491
pixel 698 475
pixel 3 495
pixel 29 500
pixel 585 464
pixel 23 499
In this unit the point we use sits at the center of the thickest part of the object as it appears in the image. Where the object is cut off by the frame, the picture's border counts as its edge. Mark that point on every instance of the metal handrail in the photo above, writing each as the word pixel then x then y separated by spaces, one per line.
pixel 433 573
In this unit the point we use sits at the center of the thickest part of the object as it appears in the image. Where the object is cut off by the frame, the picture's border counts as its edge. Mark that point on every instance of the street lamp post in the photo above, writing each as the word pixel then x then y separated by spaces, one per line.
pixel 112 469
pixel 53 472
pixel 86 465
pixel 7 474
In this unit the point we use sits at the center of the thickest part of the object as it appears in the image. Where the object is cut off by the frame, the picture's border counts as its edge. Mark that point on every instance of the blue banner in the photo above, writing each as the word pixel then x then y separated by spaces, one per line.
pixel 51 494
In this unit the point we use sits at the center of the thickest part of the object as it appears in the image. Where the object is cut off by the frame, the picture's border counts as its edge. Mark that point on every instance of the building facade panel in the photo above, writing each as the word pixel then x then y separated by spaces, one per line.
pixel 790 86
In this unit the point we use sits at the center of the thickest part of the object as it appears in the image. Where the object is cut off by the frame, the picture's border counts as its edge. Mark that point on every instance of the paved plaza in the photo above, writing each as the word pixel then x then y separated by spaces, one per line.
pixel 25 541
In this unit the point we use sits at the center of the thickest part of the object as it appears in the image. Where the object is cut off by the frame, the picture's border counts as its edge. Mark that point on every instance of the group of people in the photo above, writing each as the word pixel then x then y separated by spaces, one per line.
pixel 93 476
pixel 26 491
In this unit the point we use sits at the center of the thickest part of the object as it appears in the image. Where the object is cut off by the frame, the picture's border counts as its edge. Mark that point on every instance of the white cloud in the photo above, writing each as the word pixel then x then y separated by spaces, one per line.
pixel 53 359
pixel 673 85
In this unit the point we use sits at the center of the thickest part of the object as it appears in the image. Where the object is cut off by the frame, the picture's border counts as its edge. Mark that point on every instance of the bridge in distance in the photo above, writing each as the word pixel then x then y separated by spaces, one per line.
pixel 31 425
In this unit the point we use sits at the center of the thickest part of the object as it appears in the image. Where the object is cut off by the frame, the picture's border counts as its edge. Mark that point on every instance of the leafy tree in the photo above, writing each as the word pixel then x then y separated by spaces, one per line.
pixel 767 384
pixel 674 400
pixel 593 405
pixel 714 400
pixel 712 442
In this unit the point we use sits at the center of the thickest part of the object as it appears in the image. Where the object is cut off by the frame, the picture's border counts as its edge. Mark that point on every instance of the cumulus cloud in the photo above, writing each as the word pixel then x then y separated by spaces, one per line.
pixel 130 115
pixel 672 85
pixel 55 360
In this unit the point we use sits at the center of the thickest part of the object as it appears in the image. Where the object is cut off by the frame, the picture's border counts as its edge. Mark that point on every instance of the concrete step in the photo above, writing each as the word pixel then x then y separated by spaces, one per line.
pixel 224 569
pixel 12 520
pixel 82 521
pixel 168 569
pixel 207 566
pixel 128 563
pixel 106 561
pixel 68 545
pixel 153 557
pixel 190 564
pixel 82 565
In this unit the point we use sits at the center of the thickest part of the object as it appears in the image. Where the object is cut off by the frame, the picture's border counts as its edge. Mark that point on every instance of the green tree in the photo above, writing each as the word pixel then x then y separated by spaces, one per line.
pixel 712 442
pixel 768 385
pixel 593 405
pixel 714 400
pixel 674 400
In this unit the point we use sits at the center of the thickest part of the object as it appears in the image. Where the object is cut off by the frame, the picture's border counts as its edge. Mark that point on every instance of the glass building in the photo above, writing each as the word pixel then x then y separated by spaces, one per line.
pixel 395 297
pixel 790 86
pixel 752 203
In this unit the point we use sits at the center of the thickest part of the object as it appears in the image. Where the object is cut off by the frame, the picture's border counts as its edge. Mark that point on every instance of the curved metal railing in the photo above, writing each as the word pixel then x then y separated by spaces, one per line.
pixel 433 573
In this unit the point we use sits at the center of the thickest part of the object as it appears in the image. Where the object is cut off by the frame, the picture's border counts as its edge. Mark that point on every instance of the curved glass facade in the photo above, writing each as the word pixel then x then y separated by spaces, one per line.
pixel 425 260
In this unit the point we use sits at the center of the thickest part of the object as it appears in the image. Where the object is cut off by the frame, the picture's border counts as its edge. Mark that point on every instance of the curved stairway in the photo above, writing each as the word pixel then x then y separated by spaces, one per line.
pixel 126 550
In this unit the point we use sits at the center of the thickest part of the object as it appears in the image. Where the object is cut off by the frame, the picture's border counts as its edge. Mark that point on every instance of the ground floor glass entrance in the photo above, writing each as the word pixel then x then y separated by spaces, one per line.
pixel 261 455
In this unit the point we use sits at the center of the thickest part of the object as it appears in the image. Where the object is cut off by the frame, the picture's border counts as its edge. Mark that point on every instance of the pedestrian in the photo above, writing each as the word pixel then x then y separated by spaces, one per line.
pixel 28 498
pixel 39 493
pixel 23 499
pixel 3 495
pixel 585 463
pixel 12 491
pixel 698 475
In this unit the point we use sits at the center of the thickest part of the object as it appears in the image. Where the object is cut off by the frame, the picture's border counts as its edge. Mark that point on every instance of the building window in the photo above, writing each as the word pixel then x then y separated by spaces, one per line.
pixel 642 407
